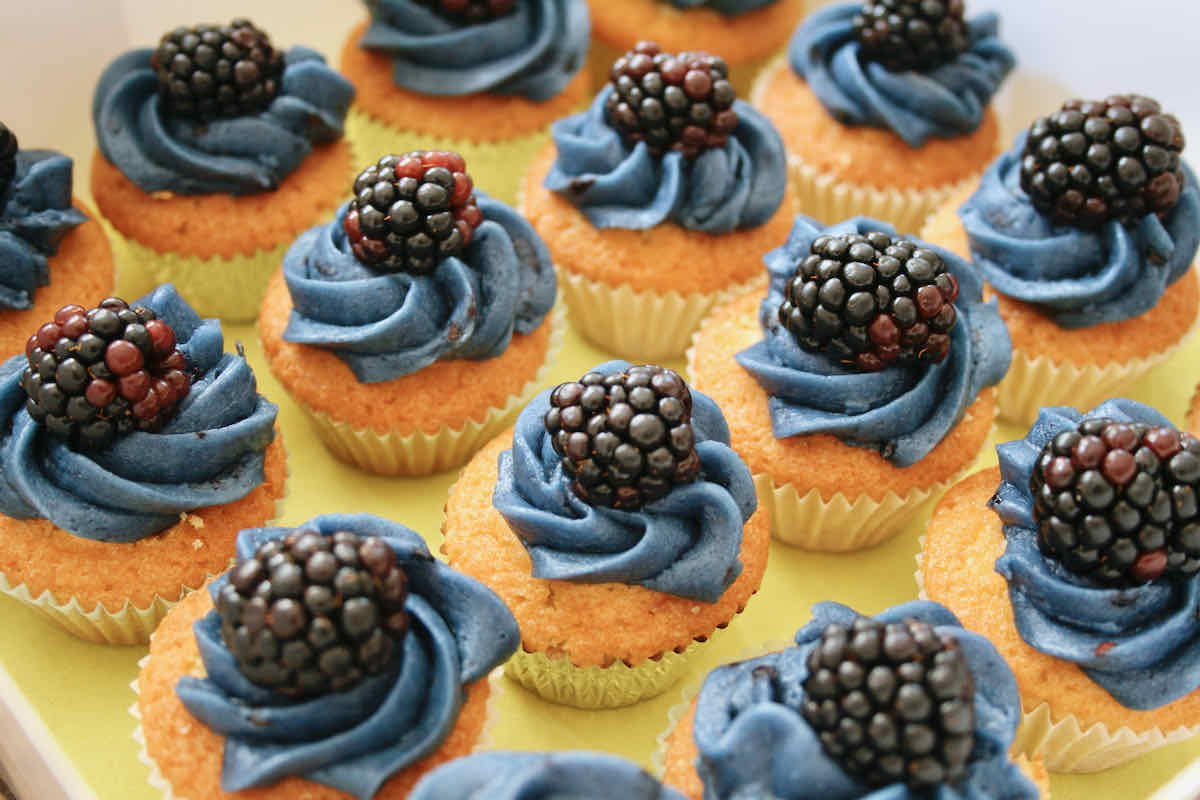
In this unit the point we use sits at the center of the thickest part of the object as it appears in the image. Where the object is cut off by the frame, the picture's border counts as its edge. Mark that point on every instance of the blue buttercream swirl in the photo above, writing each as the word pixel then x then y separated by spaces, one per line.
pixel 1076 277
pixel 211 452
pixel 723 189
pixel 945 102
pixel 388 325
pixel 686 543
pixel 1141 644
pixel 532 52
pixel 754 741
pixel 902 411
pixel 730 8
pixel 235 155
pixel 355 740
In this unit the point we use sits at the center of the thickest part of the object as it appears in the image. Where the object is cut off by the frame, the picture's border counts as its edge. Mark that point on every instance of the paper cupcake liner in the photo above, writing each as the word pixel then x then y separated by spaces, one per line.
pixel 743 75
pixel 614 686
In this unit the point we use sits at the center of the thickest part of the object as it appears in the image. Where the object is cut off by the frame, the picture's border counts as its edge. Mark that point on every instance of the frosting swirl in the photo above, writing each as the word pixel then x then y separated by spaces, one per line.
pixel 730 8
pixel 237 155
pixel 355 740
pixel 902 411
pixel 1141 644
pixel 388 325
pixel 946 102
pixel 754 741
pixel 210 453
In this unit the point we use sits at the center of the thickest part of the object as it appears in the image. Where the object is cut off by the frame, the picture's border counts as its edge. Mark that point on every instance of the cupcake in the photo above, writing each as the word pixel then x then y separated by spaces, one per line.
pixel 618 526
pixel 879 116
pixel 1079 558
pixel 337 658
pixel 1086 230
pixel 484 79
pixel 652 226
pixel 857 386
pixel 134 446
pixel 215 151
pixel 942 707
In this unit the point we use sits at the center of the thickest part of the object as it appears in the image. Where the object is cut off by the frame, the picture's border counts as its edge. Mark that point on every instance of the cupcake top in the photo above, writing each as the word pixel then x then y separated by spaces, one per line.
pixel 730 8
pixel 376 642
pixel 216 109
pixel 878 339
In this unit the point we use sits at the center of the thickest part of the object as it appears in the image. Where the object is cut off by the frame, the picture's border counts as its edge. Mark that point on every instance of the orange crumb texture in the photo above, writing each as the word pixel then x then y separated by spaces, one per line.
pixel 818 461
pixel 42 556
pixel 446 393
pixel 189 754
pixel 493 118
pixel 587 622
pixel 963 541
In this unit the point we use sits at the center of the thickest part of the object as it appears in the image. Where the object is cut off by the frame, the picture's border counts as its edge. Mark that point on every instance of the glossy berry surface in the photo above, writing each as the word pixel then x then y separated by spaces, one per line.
pixel 471 12
pixel 907 35
pixel 8 158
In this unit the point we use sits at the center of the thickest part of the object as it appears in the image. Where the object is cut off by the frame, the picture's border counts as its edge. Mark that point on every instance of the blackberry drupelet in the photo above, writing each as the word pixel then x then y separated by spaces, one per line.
pixel 95 374
pixel 625 439
pixel 8 158
pixel 409 212
pixel 470 12
pixel 307 613
pixel 678 102
pixel 872 299
pixel 212 71
pixel 1095 161
pixel 1181 480
pixel 907 35
pixel 892 703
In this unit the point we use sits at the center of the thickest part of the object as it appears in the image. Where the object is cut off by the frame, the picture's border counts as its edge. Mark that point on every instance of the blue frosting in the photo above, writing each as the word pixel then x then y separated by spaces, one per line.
pixel 685 544
pixel 532 52
pixel 356 739
pixel 723 189
pixel 754 742
pixel 210 453
pixel 902 411
pixel 730 8
pixel 1141 644
pixel 1076 277
pixel 946 102
pixel 237 155
pixel 388 325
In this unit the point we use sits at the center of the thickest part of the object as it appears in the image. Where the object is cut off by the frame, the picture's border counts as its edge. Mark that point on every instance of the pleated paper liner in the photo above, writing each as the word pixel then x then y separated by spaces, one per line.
pixel 614 686
pixel 743 76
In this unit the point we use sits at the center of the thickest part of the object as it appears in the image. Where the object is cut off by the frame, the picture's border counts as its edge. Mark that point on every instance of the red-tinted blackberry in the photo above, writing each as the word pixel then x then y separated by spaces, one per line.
pixel 211 71
pixel 1095 161
pixel 94 374
pixel 470 12
pixel 871 299
pixel 911 34
pixel 310 613
pixel 409 212
pixel 892 703
pixel 625 439
pixel 678 102
pixel 8 158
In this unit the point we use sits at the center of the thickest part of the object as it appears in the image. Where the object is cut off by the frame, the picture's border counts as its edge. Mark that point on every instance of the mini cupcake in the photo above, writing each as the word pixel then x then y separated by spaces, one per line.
pixel 1086 230
pixel 858 386
pixel 1079 558
pixel 215 151
pixel 337 658
pixel 135 446
pixel 942 707
pixel 618 526
pixel 884 110
pixel 653 226
pixel 483 78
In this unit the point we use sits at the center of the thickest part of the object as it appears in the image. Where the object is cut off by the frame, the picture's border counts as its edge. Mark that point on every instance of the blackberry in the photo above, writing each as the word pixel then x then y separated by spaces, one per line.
pixel 307 613
pixel 211 71
pixel 95 374
pixel 470 12
pixel 907 35
pixel 1095 161
pixel 678 102
pixel 8 158
pixel 625 439
pixel 892 703
pixel 871 299
pixel 409 212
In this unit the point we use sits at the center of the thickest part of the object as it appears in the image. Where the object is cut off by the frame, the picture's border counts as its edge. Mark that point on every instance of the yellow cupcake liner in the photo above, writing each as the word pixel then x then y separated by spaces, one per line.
pixel 614 686
pixel 742 75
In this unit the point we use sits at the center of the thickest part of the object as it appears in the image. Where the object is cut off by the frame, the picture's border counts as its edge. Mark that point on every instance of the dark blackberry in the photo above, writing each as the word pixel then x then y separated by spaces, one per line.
pixel 211 71
pixel 95 374
pixel 8 158
pixel 871 299
pixel 892 703
pixel 470 12
pixel 409 212
pixel 678 102
pixel 907 35
pixel 308 613
pixel 625 439
pixel 1181 480
pixel 1095 161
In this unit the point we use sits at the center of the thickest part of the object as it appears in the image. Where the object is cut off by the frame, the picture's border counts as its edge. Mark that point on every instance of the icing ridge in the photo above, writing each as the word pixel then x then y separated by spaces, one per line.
pixel 730 8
